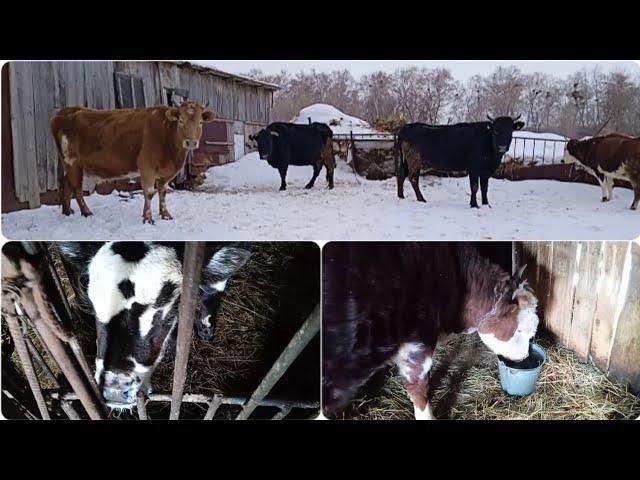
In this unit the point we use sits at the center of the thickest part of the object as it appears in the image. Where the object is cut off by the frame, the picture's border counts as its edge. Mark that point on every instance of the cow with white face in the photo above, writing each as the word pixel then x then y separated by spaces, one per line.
pixel 134 290
pixel 390 303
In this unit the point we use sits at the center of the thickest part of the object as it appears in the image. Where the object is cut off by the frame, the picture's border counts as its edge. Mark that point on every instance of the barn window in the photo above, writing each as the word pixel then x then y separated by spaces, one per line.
pixel 129 91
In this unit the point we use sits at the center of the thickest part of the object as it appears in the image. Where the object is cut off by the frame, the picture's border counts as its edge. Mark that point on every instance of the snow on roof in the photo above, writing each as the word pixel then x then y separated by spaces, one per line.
pixel 206 66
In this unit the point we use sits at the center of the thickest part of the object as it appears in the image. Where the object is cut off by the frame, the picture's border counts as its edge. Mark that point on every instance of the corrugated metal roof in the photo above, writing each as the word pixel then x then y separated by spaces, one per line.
pixel 214 71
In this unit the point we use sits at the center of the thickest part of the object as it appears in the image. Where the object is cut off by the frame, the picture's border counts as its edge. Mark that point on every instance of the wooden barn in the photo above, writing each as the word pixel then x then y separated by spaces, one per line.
pixel 33 91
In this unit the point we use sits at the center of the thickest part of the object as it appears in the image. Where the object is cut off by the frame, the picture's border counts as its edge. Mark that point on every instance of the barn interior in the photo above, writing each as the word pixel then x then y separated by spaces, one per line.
pixel 589 310
pixel 267 301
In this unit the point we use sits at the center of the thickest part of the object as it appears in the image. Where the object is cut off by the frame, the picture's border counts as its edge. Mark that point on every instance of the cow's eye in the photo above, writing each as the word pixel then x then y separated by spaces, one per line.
pixel 201 122
pixel 181 122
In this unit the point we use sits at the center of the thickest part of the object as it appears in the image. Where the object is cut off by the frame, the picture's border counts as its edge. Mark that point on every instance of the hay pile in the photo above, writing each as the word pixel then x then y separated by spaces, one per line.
pixel 465 377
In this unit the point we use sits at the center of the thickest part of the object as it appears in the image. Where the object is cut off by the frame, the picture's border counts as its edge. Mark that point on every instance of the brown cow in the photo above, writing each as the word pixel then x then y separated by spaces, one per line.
pixel 113 144
pixel 608 158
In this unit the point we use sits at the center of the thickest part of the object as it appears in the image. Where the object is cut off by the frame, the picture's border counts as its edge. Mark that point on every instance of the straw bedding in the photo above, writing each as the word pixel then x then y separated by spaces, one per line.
pixel 465 377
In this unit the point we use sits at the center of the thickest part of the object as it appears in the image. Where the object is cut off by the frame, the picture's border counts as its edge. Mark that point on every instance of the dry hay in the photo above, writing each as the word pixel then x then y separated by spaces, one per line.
pixel 467 386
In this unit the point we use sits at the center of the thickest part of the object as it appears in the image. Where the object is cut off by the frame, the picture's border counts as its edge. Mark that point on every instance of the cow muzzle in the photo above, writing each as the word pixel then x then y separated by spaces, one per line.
pixel 190 143
pixel 120 390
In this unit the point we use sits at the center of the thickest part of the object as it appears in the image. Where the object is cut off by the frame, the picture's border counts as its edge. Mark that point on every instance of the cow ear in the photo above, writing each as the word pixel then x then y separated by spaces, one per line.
pixel 173 114
pixel 518 125
pixel 208 116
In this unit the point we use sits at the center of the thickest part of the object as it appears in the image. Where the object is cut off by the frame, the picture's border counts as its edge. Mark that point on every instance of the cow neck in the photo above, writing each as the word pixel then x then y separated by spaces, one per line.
pixel 487 289
pixel 178 153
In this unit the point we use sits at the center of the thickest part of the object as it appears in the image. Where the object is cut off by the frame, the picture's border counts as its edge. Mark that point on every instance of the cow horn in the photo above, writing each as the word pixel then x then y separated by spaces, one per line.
pixel 489 117
pixel 206 104
pixel 275 134
pixel 518 117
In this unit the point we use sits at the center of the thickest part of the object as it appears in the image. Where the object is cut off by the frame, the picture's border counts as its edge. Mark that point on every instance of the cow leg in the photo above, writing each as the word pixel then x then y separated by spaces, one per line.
pixel 414 179
pixel 484 187
pixel 74 177
pixel 148 189
pixel 400 177
pixel 603 186
pixel 636 195
pixel 414 362
pixel 473 180
pixel 329 162
pixel 283 176
pixel 66 192
pixel 609 181
pixel 316 171
pixel 162 192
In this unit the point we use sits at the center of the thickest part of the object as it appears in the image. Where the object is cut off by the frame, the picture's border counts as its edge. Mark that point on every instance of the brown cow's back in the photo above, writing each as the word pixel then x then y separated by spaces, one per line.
pixel 108 143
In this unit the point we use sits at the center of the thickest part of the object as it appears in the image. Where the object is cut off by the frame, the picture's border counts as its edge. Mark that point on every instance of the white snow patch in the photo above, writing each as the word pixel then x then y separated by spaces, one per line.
pixel 241 201
pixel 343 123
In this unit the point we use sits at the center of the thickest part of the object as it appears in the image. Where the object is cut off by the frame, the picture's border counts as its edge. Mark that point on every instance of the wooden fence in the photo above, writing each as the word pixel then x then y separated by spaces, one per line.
pixel 589 296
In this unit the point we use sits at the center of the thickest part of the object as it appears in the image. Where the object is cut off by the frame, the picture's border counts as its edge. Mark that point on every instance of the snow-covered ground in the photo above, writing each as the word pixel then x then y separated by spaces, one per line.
pixel 241 201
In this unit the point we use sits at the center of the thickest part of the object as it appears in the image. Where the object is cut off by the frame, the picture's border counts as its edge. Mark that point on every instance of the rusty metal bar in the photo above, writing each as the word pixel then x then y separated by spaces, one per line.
pixel 207 399
pixel 282 413
pixel 27 365
pixel 35 354
pixel 192 270
pixel 299 341
pixel 69 410
pixel 78 382
pixel 142 406
pixel 213 407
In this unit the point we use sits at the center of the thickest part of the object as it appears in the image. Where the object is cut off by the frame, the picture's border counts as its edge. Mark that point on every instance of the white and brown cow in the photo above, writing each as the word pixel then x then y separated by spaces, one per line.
pixel 133 289
pixel 151 143
pixel 608 158
pixel 386 302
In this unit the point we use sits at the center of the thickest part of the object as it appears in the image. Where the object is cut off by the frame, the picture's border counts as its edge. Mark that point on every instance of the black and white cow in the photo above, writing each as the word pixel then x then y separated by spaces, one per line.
pixel 133 289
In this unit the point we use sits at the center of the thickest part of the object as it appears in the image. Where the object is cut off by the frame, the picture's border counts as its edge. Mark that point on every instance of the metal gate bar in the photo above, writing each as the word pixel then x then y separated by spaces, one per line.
pixel 215 400
pixel 192 270
pixel 299 341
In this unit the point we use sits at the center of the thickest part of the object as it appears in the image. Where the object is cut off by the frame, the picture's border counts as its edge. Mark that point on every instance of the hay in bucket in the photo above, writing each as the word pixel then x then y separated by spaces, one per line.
pixel 466 386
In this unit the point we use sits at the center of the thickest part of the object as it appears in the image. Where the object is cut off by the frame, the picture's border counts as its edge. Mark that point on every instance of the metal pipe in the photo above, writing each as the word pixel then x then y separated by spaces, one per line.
pixel 192 269
pixel 27 365
pixel 206 399
pixel 299 341
pixel 93 406
pixel 282 413
pixel 142 406
pixel 213 407
pixel 70 411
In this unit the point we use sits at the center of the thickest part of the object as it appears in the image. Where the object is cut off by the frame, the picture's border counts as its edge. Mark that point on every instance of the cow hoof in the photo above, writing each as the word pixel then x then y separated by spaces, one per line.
pixel 605 199
pixel 166 216
pixel 330 187
pixel 68 212
pixel 150 220
pixel 282 189
pixel 88 213
pixel 475 206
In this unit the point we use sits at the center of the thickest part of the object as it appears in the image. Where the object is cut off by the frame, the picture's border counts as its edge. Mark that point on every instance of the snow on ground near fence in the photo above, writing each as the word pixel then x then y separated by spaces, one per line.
pixel 241 201
pixel 540 147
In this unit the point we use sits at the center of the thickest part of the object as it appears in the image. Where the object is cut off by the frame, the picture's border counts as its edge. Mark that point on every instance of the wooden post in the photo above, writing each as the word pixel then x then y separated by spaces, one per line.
pixel 192 268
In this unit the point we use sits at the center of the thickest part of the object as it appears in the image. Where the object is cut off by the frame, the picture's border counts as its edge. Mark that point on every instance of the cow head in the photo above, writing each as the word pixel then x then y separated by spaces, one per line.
pixel 133 288
pixel 502 129
pixel 570 152
pixel 189 117
pixel 265 140
pixel 512 322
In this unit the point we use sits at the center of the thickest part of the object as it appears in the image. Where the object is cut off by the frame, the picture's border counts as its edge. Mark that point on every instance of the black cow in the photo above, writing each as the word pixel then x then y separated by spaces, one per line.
pixel 283 144
pixel 475 147
pixel 133 289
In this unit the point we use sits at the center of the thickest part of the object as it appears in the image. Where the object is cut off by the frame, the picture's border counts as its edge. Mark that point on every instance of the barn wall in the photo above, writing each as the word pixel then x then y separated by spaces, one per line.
pixel 589 296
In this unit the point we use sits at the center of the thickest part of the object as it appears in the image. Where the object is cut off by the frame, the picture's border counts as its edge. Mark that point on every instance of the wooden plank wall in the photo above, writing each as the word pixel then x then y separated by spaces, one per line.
pixel 39 89
pixel 589 298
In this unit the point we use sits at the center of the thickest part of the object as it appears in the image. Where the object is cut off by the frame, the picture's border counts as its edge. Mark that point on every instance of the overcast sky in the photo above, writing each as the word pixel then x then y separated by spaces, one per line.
pixel 461 70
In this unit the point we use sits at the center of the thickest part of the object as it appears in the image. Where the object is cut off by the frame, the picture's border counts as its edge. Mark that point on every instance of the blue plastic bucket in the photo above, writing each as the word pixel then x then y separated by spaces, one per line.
pixel 521 381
